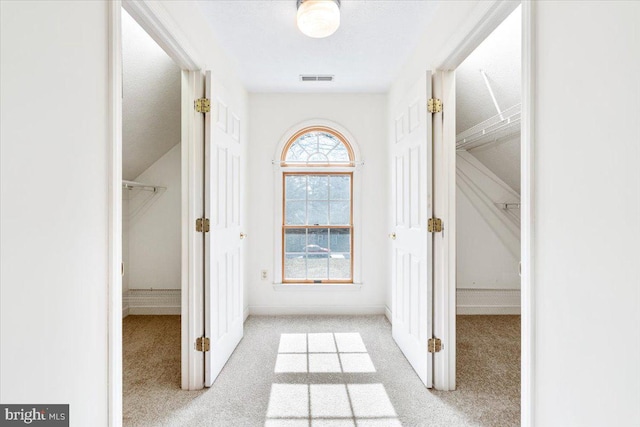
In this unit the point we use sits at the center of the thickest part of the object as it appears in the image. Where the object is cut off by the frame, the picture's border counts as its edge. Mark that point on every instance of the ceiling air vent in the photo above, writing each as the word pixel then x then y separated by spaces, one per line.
pixel 316 78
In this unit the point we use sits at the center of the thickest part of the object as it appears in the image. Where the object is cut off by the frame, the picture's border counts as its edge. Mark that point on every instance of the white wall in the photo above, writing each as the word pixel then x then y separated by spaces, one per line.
pixel 587 277
pixel 487 241
pixel 487 236
pixel 483 260
pixel 154 226
pixel 54 206
pixel 54 272
pixel 272 115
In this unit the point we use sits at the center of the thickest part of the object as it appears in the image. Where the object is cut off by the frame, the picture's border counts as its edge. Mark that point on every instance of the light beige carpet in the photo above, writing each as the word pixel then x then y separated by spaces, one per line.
pixel 359 377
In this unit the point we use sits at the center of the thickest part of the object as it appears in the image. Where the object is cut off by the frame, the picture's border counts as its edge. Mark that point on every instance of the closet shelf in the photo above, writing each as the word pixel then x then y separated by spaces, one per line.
pixel 499 126
pixel 130 185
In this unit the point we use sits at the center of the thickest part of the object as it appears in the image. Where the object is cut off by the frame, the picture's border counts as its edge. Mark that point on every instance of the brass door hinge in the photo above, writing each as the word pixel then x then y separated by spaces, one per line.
pixel 203 105
pixel 434 105
pixel 202 225
pixel 202 344
pixel 434 345
pixel 435 225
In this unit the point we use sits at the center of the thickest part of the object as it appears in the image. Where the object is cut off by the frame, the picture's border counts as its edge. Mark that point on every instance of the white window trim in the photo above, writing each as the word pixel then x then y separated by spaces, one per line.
pixel 278 173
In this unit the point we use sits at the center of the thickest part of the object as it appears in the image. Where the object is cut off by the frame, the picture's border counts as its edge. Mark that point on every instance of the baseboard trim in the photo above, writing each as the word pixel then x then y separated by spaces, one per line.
pixel 357 310
pixel 488 301
pixel 150 311
pixel 488 310
pixel 245 314
pixel 387 313
pixel 152 302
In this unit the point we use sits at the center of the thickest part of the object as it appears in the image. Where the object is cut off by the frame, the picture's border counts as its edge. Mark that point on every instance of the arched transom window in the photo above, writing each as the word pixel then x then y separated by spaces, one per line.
pixel 317 223
pixel 317 146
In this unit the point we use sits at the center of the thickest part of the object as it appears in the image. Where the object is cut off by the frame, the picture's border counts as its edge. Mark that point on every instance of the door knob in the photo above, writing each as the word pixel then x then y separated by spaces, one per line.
pixel 242 236
pixel 392 236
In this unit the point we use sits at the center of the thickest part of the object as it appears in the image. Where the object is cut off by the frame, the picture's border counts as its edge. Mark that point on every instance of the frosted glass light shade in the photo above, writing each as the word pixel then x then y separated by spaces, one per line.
pixel 318 18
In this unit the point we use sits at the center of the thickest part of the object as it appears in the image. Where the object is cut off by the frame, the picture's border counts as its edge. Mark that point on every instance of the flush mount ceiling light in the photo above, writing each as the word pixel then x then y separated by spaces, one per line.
pixel 318 18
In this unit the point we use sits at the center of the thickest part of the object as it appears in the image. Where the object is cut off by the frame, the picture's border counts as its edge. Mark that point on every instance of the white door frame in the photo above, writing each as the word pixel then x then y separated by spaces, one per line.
pixel 156 21
pixel 487 16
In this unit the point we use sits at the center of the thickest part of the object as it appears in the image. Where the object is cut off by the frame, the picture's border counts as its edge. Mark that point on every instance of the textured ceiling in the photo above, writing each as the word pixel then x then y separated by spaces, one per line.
pixel 374 40
pixel 499 56
pixel 150 103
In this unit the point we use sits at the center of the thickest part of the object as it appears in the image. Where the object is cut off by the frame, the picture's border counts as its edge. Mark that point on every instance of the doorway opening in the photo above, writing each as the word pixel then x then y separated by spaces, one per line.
pixel 487 204
pixel 151 216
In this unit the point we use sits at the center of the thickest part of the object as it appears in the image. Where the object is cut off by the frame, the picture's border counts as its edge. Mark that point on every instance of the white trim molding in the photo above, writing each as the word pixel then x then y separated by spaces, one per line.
pixel 488 301
pixel 114 328
pixel 301 310
pixel 527 200
pixel 388 314
pixel 325 287
pixel 487 17
pixel 157 22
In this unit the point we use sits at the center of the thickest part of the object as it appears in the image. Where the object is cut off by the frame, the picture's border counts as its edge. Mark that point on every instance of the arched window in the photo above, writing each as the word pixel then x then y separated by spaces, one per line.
pixel 317 146
pixel 317 223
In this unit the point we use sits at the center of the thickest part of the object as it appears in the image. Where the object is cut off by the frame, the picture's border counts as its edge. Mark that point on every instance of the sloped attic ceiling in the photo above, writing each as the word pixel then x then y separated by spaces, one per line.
pixel 499 57
pixel 151 100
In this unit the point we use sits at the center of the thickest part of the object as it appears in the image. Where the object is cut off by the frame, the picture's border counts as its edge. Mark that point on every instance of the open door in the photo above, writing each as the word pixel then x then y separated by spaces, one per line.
pixel 223 292
pixel 412 192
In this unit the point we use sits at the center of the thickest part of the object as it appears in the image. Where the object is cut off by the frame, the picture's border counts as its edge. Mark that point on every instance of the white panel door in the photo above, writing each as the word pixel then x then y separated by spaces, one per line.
pixel 223 293
pixel 412 284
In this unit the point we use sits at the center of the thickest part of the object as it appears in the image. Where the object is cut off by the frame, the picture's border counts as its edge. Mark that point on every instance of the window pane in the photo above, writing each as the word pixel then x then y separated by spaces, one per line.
pixel 318 213
pixel 296 153
pixel 295 213
pixel 318 187
pixel 318 254
pixel 318 147
pixel 340 258
pixel 308 143
pixel 295 267
pixel 339 267
pixel 296 187
pixel 340 213
pixel 295 240
pixel 318 268
pixel 340 240
pixel 339 154
pixel 295 260
pixel 318 242
pixel 340 187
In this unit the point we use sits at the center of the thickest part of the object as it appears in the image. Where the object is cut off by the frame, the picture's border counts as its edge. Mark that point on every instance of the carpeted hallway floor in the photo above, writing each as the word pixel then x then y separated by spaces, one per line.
pixel 322 371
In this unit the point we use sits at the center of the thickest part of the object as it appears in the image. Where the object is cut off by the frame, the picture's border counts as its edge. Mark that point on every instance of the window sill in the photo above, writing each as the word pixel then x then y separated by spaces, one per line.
pixel 317 287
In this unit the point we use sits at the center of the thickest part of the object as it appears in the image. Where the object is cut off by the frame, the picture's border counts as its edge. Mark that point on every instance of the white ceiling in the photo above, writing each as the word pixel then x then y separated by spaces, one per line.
pixel 374 40
pixel 150 102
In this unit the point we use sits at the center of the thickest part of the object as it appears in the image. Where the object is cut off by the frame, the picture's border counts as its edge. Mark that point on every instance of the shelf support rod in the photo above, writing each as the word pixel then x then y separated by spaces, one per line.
pixel 493 97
